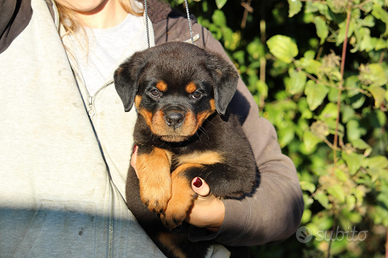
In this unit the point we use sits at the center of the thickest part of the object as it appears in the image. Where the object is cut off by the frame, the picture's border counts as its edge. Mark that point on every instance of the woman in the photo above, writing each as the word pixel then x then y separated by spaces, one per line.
pixel 66 140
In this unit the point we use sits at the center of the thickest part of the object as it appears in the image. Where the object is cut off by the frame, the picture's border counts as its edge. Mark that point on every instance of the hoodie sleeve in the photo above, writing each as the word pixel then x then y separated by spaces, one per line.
pixel 273 212
pixel 15 16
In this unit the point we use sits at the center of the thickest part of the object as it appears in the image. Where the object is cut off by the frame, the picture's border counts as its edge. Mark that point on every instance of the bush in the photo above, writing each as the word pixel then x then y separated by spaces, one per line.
pixel 318 72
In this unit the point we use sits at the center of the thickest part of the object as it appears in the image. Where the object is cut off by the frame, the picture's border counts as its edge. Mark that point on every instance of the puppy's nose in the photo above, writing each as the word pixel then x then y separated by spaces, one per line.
pixel 174 119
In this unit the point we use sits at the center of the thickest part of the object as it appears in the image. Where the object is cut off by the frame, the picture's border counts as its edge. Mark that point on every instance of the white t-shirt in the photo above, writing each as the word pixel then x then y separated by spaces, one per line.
pixel 98 56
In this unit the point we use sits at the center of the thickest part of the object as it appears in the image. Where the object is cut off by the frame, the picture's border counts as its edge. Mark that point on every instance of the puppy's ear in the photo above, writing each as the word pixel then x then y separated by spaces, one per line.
pixel 225 79
pixel 126 78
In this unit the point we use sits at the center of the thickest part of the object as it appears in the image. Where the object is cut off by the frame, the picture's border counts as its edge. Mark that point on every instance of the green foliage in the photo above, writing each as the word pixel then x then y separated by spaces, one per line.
pixel 318 71
pixel 282 48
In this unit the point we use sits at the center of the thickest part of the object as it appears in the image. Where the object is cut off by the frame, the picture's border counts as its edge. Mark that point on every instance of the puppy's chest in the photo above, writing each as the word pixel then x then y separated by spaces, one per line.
pixel 197 158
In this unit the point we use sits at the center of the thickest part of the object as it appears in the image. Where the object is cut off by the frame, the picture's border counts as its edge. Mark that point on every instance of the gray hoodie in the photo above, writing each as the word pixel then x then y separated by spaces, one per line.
pixel 61 194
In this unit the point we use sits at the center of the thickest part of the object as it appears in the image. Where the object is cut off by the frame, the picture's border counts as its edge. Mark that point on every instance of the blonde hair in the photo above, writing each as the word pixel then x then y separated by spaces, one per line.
pixel 68 17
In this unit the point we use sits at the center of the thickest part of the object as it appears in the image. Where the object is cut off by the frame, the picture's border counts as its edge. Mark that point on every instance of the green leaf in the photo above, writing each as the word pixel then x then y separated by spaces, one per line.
pixel 342 31
pixel 337 6
pixel 340 175
pixel 315 93
pixel 367 6
pixel 381 44
pixel 386 95
pixel 219 18
pixel 329 112
pixel 294 7
pixel 297 81
pixel 352 83
pixel 353 160
pixel 220 3
pixel 307 200
pixel 368 21
pixel 322 199
pixel 359 193
pixel 283 48
pixel 323 222
pixel 354 130
pixel 321 27
pixel 309 64
pixel 378 162
pixel 384 174
pixel 310 140
pixel 358 101
pixel 382 15
pixel 309 54
pixel 286 135
pixel 362 145
pixel 353 217
pixel 347 113
pixel 366 42
pixel 350 202
pixel 307 186
pixel 378 94
pixel 205 6
pixel 376 75
pixel 256 49
pixel 262 88
pixel 332 127
pixel 374 173
pixel 337 192
pixel 227 33
pixel 216 31
pixel 306 216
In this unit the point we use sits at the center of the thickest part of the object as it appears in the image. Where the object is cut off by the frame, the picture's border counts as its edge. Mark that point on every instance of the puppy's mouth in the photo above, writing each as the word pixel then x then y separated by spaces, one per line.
pixel 175 124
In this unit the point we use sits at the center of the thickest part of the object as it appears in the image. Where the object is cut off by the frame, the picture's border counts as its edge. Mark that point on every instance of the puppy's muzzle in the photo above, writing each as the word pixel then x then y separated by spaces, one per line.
pixel 174 117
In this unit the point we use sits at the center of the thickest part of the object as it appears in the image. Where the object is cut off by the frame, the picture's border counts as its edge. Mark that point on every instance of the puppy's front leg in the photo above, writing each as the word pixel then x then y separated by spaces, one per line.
pixel 153 171
pixel 183 196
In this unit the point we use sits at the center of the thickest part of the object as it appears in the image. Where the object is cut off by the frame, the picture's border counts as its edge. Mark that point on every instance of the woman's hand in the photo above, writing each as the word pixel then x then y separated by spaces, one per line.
pixel 208 211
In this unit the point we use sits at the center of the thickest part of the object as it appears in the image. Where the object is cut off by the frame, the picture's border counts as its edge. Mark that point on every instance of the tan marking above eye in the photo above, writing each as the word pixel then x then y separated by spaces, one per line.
pixel 162 86
pixel 191 87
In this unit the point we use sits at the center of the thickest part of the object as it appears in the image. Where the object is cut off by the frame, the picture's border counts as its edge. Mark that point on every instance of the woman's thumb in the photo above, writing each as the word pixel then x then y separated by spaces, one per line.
pixel 200 187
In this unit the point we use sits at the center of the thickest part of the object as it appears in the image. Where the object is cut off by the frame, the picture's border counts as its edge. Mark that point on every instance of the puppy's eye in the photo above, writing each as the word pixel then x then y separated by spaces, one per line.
pixel 155 93
pixel 196 95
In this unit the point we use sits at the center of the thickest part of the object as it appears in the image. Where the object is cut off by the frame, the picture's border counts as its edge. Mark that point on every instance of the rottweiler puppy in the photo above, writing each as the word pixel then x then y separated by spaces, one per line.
pixel 181 93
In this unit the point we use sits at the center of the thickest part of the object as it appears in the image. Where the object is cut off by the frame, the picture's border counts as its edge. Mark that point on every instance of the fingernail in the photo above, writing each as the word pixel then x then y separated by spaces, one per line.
pixel 134 149
pixel 197 182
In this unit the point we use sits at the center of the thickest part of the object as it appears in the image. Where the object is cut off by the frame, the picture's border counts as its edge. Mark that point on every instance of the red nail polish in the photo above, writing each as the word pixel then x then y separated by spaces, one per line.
pixel 134 149
pixel 197 182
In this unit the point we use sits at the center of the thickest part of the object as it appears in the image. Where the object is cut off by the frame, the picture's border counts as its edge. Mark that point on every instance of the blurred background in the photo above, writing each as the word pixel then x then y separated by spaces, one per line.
pixel 318 71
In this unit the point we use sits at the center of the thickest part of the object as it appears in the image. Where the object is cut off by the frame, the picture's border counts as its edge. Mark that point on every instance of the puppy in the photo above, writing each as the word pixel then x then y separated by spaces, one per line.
pixel 178 89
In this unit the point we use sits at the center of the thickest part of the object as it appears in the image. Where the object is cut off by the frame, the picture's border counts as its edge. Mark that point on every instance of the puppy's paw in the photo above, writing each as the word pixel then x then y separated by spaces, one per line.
pixel 156 194
pixel 179 205
pixel 175 214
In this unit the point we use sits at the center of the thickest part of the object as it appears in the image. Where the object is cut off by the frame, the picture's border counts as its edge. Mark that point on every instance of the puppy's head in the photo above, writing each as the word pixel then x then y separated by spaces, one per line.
pixel 175 87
